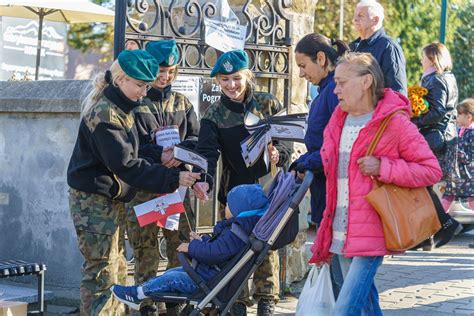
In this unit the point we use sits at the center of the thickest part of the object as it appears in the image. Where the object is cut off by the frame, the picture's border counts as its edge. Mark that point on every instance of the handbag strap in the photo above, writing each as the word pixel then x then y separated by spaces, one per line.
pixel 379 132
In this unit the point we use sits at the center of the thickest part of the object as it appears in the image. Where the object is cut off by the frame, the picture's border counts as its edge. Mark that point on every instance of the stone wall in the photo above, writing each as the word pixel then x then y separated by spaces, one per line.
pixel 38 129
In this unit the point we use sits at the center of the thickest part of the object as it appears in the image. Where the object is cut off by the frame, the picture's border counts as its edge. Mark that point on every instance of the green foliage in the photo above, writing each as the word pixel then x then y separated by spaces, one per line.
pixel 97 37
pixel 326 19
pixel 414 23
pixel 463 52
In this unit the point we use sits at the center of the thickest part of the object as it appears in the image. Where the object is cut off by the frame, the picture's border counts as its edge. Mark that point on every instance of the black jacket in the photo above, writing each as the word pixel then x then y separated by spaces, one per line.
pixel 161 108
pixel 390 57
pixel 105 158
pixel 222 130
pixel 442 98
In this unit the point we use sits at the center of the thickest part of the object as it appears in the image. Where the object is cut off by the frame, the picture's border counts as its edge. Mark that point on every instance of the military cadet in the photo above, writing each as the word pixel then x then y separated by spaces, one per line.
pixel 103 172
pixel 166 109
pixel 222 130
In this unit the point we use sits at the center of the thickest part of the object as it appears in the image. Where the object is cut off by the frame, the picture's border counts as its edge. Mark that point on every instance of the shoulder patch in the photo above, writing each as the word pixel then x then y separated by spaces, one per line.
pixel 144 108
pixel 267 103
pixel 222 116
pixel 105 112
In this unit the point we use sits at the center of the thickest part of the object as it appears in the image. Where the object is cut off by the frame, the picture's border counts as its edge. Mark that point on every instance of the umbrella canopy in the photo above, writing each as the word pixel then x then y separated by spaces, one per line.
pixel 69 11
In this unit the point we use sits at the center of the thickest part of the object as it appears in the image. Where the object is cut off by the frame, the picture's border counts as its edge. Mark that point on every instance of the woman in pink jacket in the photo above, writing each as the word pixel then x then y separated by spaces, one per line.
pixel 351 228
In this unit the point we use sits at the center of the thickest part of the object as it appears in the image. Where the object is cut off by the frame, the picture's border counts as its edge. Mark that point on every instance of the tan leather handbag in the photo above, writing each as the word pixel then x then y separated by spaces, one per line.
pixel 408 214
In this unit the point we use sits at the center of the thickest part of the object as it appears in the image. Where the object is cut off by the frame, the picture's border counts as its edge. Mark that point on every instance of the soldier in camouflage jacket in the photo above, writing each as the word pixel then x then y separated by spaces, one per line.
pixel 161 107
pixel 103 171
pixel 222 130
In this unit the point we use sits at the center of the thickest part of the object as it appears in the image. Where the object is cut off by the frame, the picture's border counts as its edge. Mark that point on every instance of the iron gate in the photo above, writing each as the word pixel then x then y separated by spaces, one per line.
pixel 268 40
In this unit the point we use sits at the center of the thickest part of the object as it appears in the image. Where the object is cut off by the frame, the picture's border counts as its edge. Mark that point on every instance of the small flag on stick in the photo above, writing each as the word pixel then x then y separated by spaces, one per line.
pixel 159 208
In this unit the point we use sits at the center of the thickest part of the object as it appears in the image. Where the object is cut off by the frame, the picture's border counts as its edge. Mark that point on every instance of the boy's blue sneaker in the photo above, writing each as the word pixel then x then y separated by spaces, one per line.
pixel 127 295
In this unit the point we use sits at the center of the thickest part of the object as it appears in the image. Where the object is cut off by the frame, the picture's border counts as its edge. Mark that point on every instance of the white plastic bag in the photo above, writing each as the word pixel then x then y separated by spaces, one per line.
pixel 317 297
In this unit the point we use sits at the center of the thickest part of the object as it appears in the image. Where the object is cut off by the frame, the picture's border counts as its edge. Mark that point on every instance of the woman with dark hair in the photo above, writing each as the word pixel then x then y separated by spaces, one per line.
pixel 316 56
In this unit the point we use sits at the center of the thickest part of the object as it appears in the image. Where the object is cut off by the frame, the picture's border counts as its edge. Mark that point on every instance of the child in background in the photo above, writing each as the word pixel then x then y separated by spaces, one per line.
pixel 245 206
pixel 464 188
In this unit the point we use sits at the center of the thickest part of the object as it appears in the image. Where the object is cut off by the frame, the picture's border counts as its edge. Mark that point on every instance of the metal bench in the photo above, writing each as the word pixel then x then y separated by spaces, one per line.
pixel 16 268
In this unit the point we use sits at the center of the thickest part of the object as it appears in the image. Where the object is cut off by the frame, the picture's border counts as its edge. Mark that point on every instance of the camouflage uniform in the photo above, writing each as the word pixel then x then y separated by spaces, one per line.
pixel 102 173
pixel 222 130
pixel 99 226
pixel 160 108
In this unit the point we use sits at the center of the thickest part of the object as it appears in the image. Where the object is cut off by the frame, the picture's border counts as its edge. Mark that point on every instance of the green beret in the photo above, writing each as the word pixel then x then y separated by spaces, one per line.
pixel 230 62
pixel 138 64
pixel 165 52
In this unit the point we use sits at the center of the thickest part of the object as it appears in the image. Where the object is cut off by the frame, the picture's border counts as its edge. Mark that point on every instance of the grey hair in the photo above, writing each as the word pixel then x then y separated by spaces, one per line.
pixel 374 8
pixel 365 64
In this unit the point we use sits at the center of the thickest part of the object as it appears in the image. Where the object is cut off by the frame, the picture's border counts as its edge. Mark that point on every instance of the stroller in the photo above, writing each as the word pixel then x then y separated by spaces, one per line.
pixel 277 228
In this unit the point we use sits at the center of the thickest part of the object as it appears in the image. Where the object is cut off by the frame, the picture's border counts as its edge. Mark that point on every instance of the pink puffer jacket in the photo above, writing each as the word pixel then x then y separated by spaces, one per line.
pixel 406 160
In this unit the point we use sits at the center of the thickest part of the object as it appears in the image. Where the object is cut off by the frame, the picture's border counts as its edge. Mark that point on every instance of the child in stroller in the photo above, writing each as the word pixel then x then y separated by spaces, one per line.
pixel 245 206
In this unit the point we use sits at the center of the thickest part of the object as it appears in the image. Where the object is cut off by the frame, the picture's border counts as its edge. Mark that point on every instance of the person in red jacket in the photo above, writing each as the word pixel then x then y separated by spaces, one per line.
pixel 351 229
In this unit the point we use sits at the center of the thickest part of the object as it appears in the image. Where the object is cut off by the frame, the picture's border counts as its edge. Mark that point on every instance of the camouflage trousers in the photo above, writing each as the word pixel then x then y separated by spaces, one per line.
pixel 99 224
pixel 266 279
pixel 145 242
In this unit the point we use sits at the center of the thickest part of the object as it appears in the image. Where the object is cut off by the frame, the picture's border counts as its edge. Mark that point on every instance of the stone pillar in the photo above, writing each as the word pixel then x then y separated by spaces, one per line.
pixel 302 12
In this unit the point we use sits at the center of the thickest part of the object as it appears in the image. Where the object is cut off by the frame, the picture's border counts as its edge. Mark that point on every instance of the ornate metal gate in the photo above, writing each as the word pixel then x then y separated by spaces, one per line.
pixel 268 41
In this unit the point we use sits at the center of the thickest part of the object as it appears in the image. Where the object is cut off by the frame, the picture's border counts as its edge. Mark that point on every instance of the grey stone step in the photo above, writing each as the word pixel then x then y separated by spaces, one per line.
pixel 21 294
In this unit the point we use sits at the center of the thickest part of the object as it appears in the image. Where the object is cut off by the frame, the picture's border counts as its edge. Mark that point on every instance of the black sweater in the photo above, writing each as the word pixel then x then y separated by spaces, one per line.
pixel 222 130
pixel 161 108
pixel 105 158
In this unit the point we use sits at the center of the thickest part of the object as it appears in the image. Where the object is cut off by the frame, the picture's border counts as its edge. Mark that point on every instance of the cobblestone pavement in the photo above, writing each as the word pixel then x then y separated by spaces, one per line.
pixel 421 283
pixel 418 283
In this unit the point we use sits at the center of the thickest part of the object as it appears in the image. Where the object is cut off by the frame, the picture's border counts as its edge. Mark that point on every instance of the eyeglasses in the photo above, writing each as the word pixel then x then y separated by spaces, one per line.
pixel 146 87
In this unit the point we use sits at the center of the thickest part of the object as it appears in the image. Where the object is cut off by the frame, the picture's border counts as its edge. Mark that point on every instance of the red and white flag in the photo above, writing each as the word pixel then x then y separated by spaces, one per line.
pixel 159 208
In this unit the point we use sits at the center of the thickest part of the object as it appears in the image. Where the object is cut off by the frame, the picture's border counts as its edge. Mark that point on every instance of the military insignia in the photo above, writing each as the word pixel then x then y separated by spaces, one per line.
pixel 228 66
pixel 114 118
pixel 129 121
pixel 171 60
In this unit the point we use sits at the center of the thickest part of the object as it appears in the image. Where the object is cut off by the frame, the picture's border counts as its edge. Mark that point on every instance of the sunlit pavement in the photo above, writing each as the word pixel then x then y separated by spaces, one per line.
pixel 437 282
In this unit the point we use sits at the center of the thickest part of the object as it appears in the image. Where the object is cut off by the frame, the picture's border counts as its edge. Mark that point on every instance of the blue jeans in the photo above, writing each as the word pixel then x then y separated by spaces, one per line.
pixel 358 295
pixel 336 276
pixel 174 280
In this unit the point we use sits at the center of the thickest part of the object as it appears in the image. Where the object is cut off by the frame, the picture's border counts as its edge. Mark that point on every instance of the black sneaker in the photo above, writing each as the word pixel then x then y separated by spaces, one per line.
pixel 127 295
pixel 265 307
pixel 449 229
pixel 238 309
pixel 148 310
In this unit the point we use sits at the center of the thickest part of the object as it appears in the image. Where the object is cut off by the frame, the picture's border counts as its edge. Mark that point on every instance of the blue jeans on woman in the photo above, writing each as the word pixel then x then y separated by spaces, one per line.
pixel 174 280
pixel 358 295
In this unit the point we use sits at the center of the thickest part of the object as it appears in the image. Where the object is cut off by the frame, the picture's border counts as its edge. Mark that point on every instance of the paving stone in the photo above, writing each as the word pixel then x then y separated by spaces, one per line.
pixel 60 310
pixel 463 311
pixel 449 307
pixel 21 293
